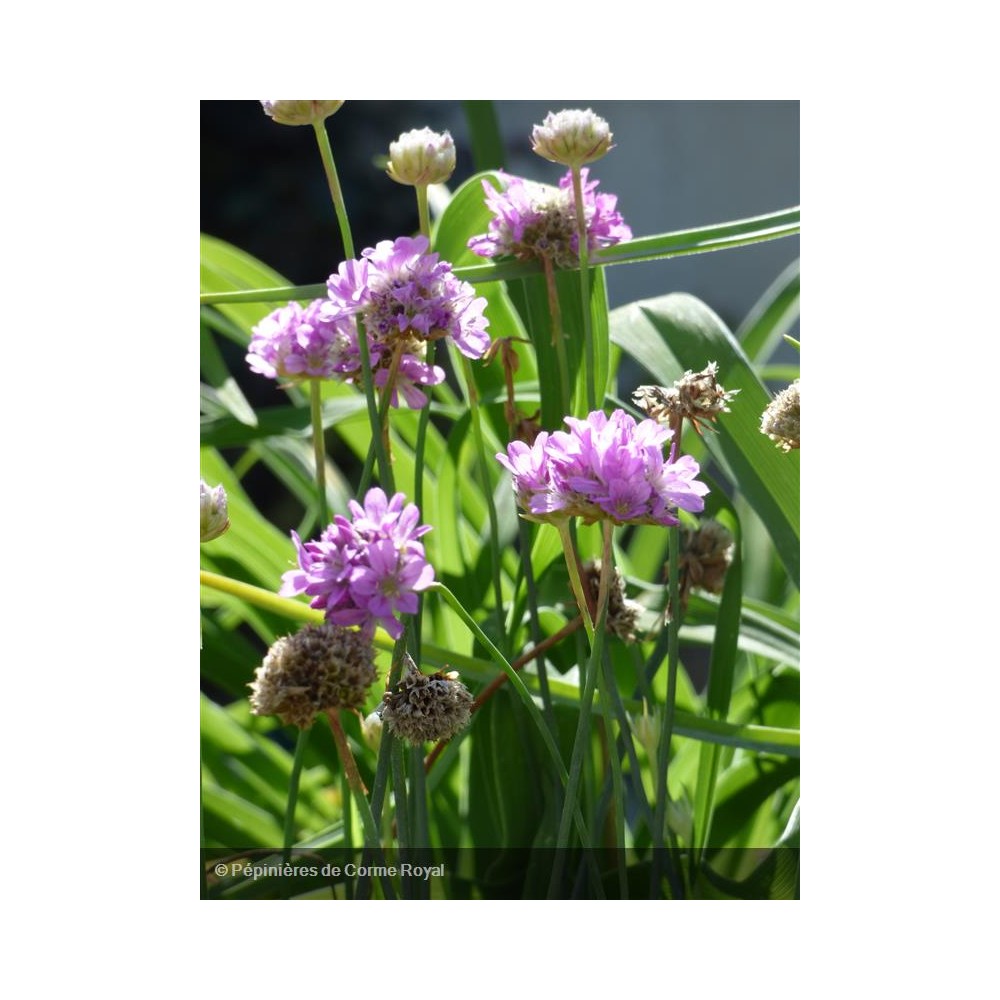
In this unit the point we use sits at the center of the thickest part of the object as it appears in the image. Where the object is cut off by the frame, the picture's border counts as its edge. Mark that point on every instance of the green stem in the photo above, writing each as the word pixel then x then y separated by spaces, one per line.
pixel 558 337
pixel 535 627
pixel 423 211
pixel 400 796
pixel 319 449
pixel 293 791
pixel 418 490
pixel 326 153
pixel 588 334
pixel 376 450
pixel 472 400
pixel 573 565
pixel 618 799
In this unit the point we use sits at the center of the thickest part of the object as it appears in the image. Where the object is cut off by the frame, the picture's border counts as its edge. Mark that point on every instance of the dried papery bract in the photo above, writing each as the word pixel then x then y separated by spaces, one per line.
pixel 623 613
pixel 427 707
pixel 300 112
pixel 697 397
pixel 706 554
pixel 781 420
pixel 320 668
pixel 421 156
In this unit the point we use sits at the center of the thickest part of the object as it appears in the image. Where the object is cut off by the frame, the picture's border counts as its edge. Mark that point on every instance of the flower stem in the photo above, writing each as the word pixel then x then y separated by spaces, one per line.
pixel 472 400
pixel 326 153
pixel 423 212
pixel 354 779
pixel 376 450
pixel 293 791
pixel 588 334
pixel 573 565
pixel 558 338
pixel 618 798
pixel 319 449
pixel 582 739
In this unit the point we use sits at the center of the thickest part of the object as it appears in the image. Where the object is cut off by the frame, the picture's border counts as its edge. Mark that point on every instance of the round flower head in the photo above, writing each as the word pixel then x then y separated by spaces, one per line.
pixel 425 708
pixel 699 397
pixel 420 157
pixel 604 468
pixel 300 112
pixel 572 138
pixel 367 570
pixel 538 222
pixel 407 298
pixel 214 512
pixel 320 668
pixel 297 343
pixel 780 421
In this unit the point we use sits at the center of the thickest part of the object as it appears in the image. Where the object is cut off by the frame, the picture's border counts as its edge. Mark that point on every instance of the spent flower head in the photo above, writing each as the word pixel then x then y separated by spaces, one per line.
pixel 572 137
pixel 623 613
pixel 706 554
pixel 538 222
pixel 427 707
pixel 214 512
pixel 698 397
pixel 406 298
pixel 300 112
pixel 780 421
pixel 319 668
pixel 422 156
pixel 603 468
pixel 367 570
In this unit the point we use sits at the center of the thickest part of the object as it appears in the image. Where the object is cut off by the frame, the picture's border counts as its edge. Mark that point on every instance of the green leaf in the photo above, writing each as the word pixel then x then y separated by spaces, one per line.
pixel 484 135
pixel 772 316
pixel 677 332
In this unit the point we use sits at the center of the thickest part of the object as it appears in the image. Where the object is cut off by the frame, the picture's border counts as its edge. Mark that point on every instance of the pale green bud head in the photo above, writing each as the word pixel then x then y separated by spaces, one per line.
pixel 300 112
pixel 214 512
pixel 572 137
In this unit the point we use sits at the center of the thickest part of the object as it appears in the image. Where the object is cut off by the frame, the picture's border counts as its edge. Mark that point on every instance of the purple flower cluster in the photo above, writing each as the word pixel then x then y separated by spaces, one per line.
pixel 604 468
pixel 367 570
pixel 535 220
pixel 296 343
pixel 407 297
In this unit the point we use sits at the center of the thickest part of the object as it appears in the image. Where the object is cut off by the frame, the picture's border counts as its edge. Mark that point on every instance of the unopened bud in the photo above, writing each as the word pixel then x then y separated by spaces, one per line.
pixel 421 156
pixel 371 730
pixel 214 512
pixel 300 112
pixel 572 137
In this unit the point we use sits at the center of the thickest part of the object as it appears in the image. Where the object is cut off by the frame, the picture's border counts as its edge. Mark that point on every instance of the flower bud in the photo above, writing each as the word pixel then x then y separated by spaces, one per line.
pixel 424 708
pixel 300 112
pixel 646 729
pixel 371 731
pixel 420 157
pixel 780 421
pixel 214 512
pixel 572 137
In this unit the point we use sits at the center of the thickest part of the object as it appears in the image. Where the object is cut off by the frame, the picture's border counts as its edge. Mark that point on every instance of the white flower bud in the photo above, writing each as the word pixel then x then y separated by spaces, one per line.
pixel 300 112
pixel 371 730
pixel 572 137
pixel 214 512
pixel 421 157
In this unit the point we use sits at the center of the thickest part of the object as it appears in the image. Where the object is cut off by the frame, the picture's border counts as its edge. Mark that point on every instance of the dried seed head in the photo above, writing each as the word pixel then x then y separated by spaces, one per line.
pixel 425 708
pixel 705 557
pixel 623 614
pixel 319 668
pixel 780 421
pixel 699 397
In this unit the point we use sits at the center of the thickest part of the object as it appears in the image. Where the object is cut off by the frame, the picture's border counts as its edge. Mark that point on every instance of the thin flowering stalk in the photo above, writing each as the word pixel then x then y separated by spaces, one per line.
pixel 618 797
pixel 573 566
pixel 293 791
pixel 582 739
pixel 326 153
pixel 558 338
pixel 376 449
pixel 319 447
pixel 588 333
pixel 399 795
pixel 423 211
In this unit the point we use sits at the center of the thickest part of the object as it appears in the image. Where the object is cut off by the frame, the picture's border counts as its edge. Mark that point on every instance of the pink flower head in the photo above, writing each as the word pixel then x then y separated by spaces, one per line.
pixel 367 570
pixel 603 468
pixel 532 221
pixel 407 298
pixel 296 342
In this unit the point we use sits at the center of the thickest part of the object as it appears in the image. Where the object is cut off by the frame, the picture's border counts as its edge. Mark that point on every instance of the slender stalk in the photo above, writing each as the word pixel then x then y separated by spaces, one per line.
pixel 347 810
pixel 558 337
pixel 472 400
pixel 400 796
pixel 573 565
pixel 588 333
pixel 618 799
pixel 423 211
pixel 534 625
pixel 582 740
pixel 326 153
pixel 319 449
pixel 376 450
pixel 293 791
pixel 418 488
